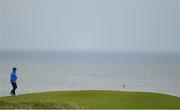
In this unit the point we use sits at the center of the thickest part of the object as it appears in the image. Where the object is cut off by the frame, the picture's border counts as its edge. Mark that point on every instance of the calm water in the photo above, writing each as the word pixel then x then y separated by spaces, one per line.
pixel 54 71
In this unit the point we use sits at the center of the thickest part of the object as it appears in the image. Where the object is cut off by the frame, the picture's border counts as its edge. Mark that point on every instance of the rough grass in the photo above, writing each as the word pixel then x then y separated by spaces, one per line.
pixel 4 104
pixel 91 99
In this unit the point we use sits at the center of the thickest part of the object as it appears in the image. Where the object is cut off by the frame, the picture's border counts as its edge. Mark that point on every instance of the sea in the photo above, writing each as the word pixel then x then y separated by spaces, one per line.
pixel 42 71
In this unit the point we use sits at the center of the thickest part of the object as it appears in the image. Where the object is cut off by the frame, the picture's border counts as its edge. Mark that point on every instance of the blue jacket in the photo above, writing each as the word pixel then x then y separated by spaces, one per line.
pixel 13 77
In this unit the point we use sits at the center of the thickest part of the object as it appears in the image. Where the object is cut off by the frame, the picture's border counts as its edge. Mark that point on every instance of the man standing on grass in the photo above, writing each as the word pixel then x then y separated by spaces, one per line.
pixel 13 79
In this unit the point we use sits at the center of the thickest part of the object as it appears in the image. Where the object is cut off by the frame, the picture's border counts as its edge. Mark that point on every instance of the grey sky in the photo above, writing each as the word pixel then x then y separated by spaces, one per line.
pixel 98 25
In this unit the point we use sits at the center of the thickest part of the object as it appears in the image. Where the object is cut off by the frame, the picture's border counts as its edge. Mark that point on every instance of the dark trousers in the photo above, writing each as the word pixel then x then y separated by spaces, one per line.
pixel 13 91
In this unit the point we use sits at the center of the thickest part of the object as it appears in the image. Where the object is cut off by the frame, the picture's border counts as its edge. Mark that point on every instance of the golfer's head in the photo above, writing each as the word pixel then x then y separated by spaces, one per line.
pixel 14 69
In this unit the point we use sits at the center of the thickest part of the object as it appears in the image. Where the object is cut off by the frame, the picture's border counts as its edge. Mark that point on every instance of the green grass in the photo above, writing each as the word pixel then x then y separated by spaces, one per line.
pixel 91 99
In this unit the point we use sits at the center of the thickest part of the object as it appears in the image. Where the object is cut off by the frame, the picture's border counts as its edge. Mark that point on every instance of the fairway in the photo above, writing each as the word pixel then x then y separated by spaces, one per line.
pixel 91 99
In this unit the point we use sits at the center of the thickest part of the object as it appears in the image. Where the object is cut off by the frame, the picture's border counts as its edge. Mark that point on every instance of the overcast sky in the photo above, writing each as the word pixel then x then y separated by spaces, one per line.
pixel 97 25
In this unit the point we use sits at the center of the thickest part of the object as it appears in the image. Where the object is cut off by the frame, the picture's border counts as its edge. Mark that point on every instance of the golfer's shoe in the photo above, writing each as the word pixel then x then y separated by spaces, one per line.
pixel 11 93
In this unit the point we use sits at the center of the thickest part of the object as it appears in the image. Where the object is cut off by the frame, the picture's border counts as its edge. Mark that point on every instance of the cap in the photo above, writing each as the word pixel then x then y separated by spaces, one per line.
pixel 14 68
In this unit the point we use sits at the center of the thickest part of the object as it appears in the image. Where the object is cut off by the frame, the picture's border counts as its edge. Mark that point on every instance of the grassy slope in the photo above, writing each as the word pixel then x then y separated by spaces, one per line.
pixel 91 99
